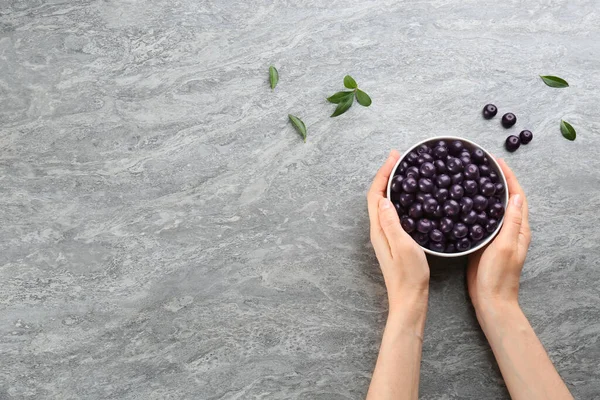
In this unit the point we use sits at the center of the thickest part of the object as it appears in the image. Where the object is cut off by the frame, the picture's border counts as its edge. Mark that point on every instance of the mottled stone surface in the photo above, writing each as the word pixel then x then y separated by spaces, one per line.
pixel 165 234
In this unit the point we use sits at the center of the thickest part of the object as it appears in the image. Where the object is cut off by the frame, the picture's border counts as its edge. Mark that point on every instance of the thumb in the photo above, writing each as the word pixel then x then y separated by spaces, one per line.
pixel 513 219
pixel 390 223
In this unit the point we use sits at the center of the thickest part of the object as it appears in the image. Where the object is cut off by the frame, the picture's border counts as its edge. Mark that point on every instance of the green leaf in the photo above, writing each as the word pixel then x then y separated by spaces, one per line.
pixel 567 130
pixel 343 106
pixel 349 82
pixel 273 76
pixel 363 98
pixel 339 96
pixel 299 125
pixel 554 81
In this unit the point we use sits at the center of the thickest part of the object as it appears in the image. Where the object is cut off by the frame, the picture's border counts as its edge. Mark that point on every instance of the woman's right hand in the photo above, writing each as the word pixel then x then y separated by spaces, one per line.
pixel 493 273
pixel 493 278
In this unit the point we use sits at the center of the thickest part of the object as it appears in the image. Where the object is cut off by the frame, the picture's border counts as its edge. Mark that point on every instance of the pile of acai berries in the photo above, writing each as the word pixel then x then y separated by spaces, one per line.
pixel 448 196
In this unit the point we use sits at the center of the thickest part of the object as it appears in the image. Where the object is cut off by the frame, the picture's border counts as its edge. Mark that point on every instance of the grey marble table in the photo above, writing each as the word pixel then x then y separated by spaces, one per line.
pixel 166 234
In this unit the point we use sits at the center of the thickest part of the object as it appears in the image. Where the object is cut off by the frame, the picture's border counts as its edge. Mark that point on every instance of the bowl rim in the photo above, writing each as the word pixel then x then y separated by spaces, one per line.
pixel 497 168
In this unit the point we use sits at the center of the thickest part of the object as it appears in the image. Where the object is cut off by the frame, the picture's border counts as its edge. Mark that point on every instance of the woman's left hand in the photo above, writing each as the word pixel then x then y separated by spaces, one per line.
pixel 402 261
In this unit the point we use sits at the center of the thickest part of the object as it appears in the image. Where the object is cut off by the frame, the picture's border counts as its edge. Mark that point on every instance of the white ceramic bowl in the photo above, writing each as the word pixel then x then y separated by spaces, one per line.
pixel 493 164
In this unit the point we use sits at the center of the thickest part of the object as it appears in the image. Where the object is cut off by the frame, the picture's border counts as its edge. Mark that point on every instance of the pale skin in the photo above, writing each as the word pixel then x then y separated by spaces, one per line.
pixel 493 275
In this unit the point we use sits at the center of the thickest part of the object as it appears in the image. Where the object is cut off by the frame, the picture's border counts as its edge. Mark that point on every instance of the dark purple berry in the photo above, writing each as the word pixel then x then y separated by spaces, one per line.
pixel 466 204
pixel 440 166
pixel 488 189
pixel 471 171
pixel 429 206
pixel 470 187
pixel 482 218
pixel 436 246
pixel 499 187
pixel 412 158
pixel 493 176
pixel 443 181
pixel 410 185
pixel 460 230
pixel 451 208
pixel 491 225
pixel 424 225
pixel 426 185
pixel 412 171
pixel 454 165
pixel 440 152
pixel 446 224
pixel 403 167
pixel 398 208
pixel 441 143
pixel 469 218
pixel 450 235
pixel 496 210
pixel 508 120
pixel 494 200
pixel 397 184
pixel 456 192
pixel 407 223
pixel 441 195
pixel 439 212
pixel 489 111
pixel 456 147
pixel 423 149
pixel 484 170
pixel 512 143
pixel 465 159
pixel 406 199
pixel 436 235
pixel 525 136
pixel 480 203
pixel 427 170
pixel 458 178
pixel 478 156
pixel 421 238
pixel 463 244
pixel 425 157
pixel 483 180
pixel 415 211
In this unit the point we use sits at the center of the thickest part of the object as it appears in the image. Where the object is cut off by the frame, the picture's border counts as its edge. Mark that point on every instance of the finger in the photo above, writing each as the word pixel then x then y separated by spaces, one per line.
pixel 381 178
pixel 380 244
pixel 390 223
pixel 512 220
pixel 515 188
pixel 378 240
pixel 377 190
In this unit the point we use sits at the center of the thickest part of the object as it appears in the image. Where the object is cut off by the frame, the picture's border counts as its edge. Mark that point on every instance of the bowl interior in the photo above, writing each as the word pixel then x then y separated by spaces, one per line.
pixel 493 164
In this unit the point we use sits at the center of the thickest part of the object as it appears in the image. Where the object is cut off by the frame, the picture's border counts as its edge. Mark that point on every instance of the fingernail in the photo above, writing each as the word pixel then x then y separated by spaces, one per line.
pixel 384 203
pixel 517 200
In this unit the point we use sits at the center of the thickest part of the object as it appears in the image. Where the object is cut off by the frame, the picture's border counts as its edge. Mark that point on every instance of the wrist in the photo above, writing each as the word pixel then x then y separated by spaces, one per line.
pixel 496 312
pixel 409 307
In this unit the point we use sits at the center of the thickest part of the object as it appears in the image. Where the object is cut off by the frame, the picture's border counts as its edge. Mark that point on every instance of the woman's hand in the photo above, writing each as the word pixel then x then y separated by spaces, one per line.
pixel 493 273
pixel 493 279
pixel 406 275
pixel 403 262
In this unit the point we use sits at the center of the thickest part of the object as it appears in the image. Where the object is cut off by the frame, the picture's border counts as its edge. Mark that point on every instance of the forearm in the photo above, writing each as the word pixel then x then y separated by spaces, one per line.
pixel 525 365
pixel 396 374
